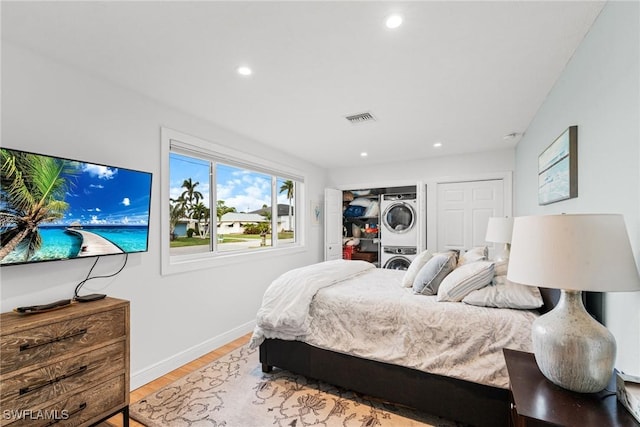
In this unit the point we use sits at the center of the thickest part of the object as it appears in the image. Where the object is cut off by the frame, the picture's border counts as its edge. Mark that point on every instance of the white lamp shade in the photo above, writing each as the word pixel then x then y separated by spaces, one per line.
pixel 499 230
pixel 589 252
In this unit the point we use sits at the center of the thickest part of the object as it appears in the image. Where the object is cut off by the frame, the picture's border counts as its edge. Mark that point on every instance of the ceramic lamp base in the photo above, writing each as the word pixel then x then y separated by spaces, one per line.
pixel 504 254
pixel 572 349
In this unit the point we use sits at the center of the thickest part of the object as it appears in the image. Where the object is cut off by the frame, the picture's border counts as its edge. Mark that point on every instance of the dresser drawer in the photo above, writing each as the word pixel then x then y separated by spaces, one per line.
pixel 32 346
pixel 72 410
pixel 49 382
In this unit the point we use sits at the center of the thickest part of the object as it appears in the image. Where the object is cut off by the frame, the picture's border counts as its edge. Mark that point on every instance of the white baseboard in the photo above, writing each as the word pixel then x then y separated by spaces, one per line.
pixel 159 369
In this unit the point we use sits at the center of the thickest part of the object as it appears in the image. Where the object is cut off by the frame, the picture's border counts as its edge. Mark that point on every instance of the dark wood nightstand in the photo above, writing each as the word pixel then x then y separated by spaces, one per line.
pixel 536 401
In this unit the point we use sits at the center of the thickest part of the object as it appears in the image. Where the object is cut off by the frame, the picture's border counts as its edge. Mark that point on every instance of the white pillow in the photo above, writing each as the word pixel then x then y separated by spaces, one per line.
pixel 361 201
pixel 373 209
pixel 418 262
pixel 472 255
pixel 505 294
pixel 430 276
pixel 465 279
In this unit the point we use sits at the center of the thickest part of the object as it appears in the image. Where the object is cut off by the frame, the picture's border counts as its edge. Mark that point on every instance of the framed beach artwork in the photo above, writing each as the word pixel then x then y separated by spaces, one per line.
pixel 316 213
pixel 558 169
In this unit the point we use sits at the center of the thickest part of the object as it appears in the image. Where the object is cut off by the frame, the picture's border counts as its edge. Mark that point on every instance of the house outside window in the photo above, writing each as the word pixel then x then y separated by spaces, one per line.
pixel 256 203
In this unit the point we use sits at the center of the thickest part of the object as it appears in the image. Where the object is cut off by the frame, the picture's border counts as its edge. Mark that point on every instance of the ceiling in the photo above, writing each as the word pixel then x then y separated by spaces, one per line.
pixel 461 73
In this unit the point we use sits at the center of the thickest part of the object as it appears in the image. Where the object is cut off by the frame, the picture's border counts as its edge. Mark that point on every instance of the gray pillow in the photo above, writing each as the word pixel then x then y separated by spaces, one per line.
pixel 429 277
pixel 465 279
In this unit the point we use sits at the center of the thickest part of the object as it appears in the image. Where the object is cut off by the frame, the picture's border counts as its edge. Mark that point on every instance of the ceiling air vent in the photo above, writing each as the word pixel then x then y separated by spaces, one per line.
pixel 360 118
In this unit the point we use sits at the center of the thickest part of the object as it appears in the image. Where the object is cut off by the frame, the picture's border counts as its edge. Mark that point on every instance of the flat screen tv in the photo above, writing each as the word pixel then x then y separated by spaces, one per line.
pixel 53 208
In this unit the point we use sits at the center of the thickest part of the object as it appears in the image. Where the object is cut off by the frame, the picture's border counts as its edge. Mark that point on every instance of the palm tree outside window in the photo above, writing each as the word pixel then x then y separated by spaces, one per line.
pixel 288 187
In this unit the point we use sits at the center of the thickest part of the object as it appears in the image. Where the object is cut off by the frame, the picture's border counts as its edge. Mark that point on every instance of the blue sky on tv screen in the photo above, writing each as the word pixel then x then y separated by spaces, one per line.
pixel 102 195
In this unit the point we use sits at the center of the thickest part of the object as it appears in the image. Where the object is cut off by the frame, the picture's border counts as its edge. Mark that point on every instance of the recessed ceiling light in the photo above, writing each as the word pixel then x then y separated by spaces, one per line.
pixel 244 71
pixel 393 21
pixel 363 154
pixel 437 145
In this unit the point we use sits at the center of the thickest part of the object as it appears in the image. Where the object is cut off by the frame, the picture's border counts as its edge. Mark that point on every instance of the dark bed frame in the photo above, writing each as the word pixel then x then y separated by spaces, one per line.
pixel 450 398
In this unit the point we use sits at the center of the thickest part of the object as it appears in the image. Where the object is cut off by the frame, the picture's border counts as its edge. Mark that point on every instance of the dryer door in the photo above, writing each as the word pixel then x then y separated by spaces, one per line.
pixel 399 218
pixel 397 263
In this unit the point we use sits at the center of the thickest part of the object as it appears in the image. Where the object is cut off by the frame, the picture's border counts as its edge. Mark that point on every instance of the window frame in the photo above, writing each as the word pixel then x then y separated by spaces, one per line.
pixel 187 144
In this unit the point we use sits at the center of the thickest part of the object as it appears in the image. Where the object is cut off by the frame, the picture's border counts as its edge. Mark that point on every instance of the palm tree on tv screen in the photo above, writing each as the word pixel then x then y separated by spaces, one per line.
pixel 288 187
pixel 33 190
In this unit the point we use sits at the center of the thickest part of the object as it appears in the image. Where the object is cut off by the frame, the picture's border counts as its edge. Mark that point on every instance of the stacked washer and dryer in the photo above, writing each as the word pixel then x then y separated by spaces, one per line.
pixel 399 230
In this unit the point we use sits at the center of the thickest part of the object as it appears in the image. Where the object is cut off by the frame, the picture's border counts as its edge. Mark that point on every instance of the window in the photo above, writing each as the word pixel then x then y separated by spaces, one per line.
pixel 256 203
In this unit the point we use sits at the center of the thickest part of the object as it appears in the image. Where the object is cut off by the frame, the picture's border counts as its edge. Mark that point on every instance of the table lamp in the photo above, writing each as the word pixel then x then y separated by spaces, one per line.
pixel 574 253
pixel 499 230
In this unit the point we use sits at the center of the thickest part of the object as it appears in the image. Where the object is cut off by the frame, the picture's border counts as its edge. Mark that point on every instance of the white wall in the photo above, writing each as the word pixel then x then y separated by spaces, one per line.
pixel 600 92
pixel 428 171
pixel 49 108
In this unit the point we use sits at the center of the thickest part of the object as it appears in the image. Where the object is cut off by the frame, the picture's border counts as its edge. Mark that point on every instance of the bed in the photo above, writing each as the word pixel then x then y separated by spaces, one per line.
pixel 327 331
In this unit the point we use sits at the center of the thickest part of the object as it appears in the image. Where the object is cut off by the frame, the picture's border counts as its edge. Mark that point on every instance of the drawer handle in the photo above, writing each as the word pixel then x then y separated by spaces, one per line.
pixel 31 388
pixel 24 347
pixel 82 406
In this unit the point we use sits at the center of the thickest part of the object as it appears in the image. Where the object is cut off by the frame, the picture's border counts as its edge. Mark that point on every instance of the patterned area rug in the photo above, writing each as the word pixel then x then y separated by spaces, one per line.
pixel 233 392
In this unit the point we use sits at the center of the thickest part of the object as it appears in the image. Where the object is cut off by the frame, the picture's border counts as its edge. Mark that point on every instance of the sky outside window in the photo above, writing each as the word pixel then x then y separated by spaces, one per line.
pixel 243 189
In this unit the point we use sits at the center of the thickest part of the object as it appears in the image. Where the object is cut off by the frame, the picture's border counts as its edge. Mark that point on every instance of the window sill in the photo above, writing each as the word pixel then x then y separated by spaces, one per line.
pixel 185 263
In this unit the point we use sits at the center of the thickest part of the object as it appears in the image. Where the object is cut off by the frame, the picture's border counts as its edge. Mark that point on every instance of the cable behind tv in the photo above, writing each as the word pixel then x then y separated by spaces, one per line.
pixel 94 297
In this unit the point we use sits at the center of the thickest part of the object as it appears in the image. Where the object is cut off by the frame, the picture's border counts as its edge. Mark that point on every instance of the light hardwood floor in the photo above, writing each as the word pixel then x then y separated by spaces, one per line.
pixel 157 384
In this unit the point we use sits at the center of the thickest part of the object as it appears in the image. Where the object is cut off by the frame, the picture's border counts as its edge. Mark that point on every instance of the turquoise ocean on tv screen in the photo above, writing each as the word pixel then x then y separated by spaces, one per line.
pixel 57 244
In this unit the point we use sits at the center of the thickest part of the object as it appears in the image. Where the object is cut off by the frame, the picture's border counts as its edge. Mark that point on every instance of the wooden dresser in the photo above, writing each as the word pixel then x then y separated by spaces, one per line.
pixel 68 367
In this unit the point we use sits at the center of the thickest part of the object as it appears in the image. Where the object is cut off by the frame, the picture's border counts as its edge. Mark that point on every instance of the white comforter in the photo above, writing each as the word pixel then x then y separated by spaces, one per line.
pixel 369 314
pixel 373 317
pixel 285 306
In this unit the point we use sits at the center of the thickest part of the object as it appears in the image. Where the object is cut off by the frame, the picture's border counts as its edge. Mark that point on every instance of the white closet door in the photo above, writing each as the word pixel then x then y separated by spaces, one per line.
pixel 332 224
pixel 464 209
